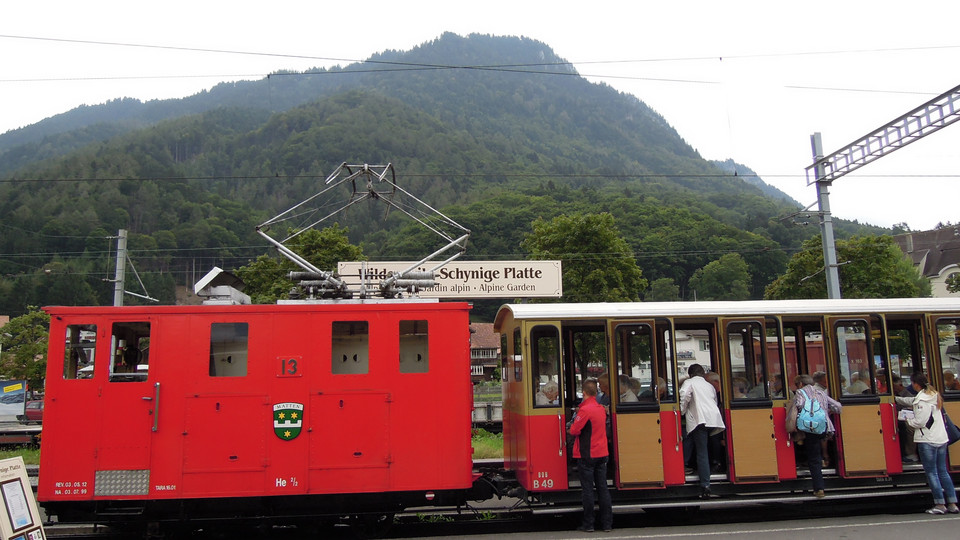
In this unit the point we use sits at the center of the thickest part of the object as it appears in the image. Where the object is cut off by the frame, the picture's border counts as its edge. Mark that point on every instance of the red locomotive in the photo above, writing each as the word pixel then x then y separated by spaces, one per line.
pixel 276 410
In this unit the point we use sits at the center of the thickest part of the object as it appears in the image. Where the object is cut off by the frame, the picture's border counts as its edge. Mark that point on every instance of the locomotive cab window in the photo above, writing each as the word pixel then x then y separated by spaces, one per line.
pixel 228 349
pixel 414 357
pixel 129 351
pixel 81 344
pixel 350 354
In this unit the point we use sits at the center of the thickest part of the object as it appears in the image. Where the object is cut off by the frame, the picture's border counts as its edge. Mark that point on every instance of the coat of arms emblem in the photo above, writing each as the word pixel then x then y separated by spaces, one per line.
pixel 287 420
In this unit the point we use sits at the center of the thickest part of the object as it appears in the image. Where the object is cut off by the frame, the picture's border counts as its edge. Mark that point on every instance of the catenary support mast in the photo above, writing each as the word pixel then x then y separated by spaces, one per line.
pixel 928 118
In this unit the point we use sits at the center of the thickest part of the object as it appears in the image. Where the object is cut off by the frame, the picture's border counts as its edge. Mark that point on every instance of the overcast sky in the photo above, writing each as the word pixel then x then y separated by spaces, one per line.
pixel 737 79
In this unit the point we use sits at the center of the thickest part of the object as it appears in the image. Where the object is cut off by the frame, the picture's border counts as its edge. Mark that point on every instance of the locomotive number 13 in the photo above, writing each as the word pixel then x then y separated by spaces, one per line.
pixel 289 366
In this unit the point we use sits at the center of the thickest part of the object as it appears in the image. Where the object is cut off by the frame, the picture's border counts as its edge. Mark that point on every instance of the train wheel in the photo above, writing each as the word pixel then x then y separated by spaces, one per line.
pixel 371 525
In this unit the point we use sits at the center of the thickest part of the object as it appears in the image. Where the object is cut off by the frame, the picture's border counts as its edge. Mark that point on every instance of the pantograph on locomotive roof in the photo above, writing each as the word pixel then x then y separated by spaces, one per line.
pixel 367 183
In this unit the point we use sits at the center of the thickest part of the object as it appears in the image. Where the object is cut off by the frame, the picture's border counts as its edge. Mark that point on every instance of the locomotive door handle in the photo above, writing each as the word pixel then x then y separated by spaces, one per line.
pixel 563 433
pixel 156 405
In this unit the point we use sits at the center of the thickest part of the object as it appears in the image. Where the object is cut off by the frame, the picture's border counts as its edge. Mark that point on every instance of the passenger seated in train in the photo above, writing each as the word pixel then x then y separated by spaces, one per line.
pixel 950 382
pixel 626 391
pixel 549 394
pixel 656 387
pixel 857 383
pixel 740 388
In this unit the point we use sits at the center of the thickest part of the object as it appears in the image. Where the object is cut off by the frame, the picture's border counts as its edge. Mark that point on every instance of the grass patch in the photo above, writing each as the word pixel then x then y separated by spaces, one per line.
pixel 30 455
pixel 487 445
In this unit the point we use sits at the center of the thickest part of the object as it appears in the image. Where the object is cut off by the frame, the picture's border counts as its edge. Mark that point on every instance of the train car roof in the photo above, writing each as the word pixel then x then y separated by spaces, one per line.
pixel 285 307
pixel 642 310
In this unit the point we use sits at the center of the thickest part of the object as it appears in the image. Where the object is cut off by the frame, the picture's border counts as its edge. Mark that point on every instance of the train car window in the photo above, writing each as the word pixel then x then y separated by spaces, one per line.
pixel 350 354
pixel 545 350
pixel 228 349
pixel 635 365
pixel 906 350
pixel 585 356
pixel 854 342
pixel 81 345
pixel 881 369
pixel 774 344
pixel 414 357
pixel 517 356
pixel 129 347
pixel 746 342
pixel 667 361
pixel 948 332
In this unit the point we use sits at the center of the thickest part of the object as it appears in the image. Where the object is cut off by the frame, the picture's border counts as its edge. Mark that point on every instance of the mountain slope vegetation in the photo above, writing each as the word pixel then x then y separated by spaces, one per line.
pixel 494 131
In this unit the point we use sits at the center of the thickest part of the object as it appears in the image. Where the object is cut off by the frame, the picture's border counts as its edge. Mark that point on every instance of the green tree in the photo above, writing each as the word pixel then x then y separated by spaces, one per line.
pixel 869 267
pixel 266 277
pixel 24 347
pixel 598 265
pixel 727 278
pixel 953 282
pixel 663 290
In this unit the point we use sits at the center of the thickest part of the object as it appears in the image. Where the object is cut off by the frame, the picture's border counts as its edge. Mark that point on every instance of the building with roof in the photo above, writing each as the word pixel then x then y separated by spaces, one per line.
pixel 484 351
pixel 935 254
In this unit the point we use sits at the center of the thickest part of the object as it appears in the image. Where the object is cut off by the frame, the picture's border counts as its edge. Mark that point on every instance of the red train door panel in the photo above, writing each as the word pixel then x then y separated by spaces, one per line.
pixel 350 442
pixel 127 409
pixel 224 444
pixel 542 376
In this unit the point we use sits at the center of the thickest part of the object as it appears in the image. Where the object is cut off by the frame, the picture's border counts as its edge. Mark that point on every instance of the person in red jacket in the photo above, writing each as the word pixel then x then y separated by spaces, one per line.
pixel 590 449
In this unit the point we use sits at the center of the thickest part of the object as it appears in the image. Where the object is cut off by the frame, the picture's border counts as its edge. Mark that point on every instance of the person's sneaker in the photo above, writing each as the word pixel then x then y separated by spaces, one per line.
pixel 818 494
pixel 910 459
pixel 585 529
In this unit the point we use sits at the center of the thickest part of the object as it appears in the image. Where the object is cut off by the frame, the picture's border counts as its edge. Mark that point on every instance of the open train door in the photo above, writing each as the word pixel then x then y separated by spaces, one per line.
pixel 636 389
pixel 860 430
pixel 756 382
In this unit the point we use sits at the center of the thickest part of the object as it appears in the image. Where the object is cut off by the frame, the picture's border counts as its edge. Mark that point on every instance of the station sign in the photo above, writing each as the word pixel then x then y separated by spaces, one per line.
pixel 470 279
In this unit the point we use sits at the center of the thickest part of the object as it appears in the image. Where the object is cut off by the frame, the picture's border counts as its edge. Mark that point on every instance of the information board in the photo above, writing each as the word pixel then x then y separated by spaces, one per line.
pixel 20 519
pixel 471 279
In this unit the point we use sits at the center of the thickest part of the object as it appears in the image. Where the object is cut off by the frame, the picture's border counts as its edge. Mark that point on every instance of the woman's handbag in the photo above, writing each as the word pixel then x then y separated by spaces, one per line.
pixel 953 432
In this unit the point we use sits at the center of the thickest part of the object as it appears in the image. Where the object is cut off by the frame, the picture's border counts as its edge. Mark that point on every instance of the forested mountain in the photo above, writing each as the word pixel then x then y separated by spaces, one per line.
pixel 494 131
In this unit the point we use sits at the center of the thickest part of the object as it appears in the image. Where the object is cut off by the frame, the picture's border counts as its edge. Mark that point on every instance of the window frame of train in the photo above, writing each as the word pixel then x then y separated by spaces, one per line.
pixel 942 351
pixel 874 337
pixel 754 364
pixel 630 355
pixel 80 351
pixel 658 355
pixel 129 342
pixel 912 329
pixel 545 338
pixel 229 351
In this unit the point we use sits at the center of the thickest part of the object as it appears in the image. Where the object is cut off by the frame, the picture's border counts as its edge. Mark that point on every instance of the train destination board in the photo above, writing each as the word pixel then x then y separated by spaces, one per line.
pixel 470 279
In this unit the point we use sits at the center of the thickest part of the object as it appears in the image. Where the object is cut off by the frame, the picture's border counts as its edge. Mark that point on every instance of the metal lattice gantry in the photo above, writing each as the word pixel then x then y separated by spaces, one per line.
pixel 928 118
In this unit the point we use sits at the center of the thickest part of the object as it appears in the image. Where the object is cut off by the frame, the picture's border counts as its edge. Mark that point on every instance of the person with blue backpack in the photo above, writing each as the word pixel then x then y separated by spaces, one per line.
pixel 811 407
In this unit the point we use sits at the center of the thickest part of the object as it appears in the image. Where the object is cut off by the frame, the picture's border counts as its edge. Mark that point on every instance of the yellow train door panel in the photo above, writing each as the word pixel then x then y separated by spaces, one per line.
pixel 862 439
pixel 953 451
pixel 639 450
pixel 754 445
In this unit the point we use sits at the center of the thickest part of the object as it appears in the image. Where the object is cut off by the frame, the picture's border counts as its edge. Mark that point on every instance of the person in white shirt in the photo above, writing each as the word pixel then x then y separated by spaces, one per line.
pixel 698 403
